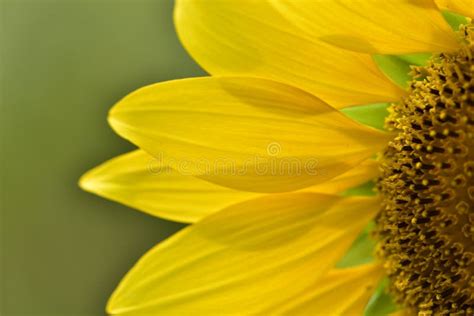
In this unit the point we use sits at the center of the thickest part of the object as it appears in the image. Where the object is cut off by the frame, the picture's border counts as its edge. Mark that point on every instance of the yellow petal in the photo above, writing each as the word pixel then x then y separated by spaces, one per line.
pixel 340 292
pixel 245 133
pixel 141 181
pixel 235 37
pixel 464 7
pixel 366 171
pixel 245 259
pixel 373 26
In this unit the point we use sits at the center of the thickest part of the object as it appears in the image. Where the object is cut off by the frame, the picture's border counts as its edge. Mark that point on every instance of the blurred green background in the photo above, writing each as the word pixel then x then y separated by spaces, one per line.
pixel 63 65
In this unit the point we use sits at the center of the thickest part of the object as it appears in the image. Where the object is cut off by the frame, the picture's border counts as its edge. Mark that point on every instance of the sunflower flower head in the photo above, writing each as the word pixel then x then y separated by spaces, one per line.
pixel 425 226
pixel 267 156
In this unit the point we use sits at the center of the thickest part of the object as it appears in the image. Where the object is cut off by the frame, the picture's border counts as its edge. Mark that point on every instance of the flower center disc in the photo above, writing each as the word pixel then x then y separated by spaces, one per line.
pixel 426 226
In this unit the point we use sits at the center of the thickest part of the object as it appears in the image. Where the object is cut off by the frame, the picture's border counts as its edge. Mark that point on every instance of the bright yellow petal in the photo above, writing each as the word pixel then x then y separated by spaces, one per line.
pixel 235 37
pixel 340 292
pixel 366 171
pixel 464 7
pixel 245 133
pixel 373 26
pixel 141 181
pixel 246 258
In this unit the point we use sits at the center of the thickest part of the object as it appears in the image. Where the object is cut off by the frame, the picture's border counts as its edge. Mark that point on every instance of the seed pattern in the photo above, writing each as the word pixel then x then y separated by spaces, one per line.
pixel 426 226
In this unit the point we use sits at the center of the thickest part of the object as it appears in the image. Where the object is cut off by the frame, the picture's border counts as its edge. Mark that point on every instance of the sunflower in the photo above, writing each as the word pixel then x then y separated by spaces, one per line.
pixel 260 157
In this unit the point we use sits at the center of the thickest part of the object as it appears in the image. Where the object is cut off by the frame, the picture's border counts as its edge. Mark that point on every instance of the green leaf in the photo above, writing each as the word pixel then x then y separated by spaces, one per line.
pixel 397 68
pixel 380 303
pixel 372 114
pixel 454 20
pixel 361 250
pixel 366 189
pixel 419 59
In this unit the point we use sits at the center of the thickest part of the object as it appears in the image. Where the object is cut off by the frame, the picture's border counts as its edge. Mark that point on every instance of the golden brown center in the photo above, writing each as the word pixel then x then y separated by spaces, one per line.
pixel 426 226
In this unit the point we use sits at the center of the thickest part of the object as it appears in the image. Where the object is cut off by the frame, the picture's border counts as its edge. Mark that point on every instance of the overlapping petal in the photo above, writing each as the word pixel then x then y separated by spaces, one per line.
pixel 245 259
pixel 340 292
pixel 360 174
pixel 245 133
pixel 464 7
pixel 373 26
pixel 141 181
pixel 235 37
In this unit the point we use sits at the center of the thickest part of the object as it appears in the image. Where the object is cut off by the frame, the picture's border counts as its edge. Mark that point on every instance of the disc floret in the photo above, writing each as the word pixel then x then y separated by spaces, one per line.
pixel 426 225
